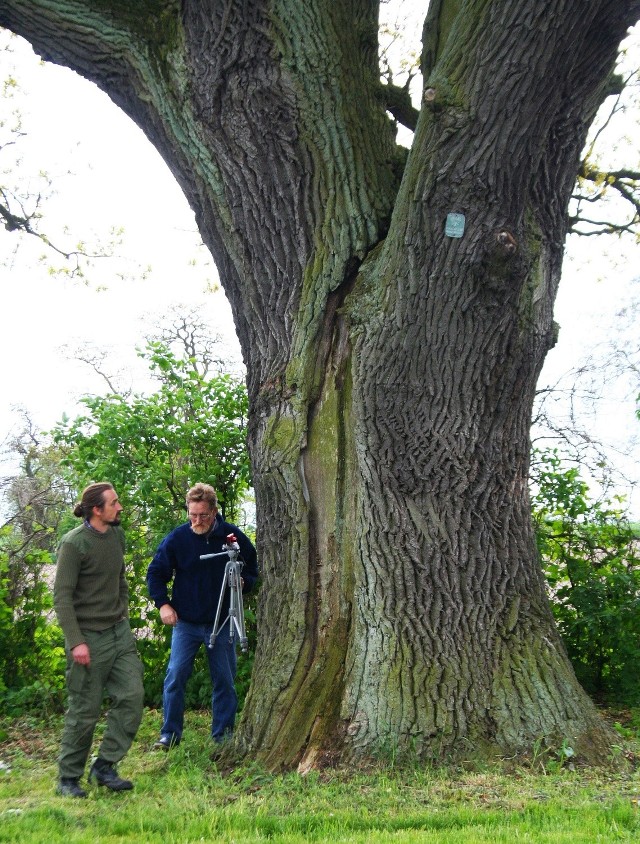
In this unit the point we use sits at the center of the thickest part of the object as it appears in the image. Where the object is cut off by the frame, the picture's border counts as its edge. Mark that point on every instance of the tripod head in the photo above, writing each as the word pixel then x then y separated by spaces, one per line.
pixel 231 546
pixel 231 549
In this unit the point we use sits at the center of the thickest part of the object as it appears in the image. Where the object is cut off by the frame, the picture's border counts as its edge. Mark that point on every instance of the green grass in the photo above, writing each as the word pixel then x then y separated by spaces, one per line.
pixel 183 797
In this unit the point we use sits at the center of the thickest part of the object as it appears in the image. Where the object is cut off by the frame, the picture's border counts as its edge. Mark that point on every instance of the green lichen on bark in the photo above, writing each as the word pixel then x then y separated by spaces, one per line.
pixel 328 55
pixel 282 436
pixel 155 22
pixel 534 679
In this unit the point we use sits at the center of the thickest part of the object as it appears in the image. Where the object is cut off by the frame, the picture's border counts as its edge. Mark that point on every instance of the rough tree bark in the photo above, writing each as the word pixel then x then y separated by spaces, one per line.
pixel 391 367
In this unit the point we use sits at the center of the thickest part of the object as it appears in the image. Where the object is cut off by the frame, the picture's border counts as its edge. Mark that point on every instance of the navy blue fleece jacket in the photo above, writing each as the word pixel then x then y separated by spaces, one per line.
pixel 197 583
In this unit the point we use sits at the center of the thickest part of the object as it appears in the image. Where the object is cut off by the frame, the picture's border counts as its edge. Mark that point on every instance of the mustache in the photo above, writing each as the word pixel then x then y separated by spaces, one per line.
pixel 200 528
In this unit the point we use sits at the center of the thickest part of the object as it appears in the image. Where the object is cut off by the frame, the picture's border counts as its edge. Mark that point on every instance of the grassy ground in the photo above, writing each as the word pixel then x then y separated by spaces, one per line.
pixel 183 797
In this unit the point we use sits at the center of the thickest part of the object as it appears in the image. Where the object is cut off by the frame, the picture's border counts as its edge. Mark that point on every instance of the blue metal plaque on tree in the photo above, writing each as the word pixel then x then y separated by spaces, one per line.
pixel 454 226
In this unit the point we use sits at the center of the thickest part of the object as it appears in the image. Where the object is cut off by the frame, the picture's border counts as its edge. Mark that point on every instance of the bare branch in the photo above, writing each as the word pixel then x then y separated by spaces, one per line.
pixel 95 359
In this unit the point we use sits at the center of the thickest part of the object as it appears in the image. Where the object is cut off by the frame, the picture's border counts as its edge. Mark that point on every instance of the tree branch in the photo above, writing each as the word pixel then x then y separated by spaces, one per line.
pixel 625 182
pixel 398 102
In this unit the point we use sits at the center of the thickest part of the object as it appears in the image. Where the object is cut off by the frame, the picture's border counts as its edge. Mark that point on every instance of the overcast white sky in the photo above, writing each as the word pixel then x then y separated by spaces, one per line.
pixel 118 179
pixel 121 180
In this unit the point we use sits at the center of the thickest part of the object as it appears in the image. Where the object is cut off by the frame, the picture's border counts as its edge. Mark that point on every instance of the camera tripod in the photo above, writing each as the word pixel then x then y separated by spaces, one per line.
pixel 233 582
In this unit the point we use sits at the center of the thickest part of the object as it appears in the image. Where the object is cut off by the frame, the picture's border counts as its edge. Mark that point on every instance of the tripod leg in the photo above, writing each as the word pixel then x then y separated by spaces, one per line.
pixel 216 624
pixel 239 616
pixel 236 611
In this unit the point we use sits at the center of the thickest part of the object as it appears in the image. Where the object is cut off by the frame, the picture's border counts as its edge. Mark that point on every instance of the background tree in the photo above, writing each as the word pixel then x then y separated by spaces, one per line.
pixel 586 413
pixel 392 350
pixel 606 197
pixel 35 499
pixel 155 446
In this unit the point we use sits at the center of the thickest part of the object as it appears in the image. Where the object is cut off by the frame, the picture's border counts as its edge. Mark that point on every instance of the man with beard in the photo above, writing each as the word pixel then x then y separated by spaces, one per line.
pixel 191 611
pixel 91 601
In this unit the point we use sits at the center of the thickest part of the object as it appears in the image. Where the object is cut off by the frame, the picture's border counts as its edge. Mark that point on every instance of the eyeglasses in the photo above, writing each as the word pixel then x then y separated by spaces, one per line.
pixel 202 517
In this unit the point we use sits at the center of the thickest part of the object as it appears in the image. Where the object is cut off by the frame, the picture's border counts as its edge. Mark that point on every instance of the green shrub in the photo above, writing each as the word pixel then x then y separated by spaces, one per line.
pixel 590 557
pixel 32 654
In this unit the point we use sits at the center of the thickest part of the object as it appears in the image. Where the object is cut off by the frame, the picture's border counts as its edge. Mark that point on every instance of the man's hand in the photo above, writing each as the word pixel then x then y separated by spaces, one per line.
pixel 168 615
pixel 81 654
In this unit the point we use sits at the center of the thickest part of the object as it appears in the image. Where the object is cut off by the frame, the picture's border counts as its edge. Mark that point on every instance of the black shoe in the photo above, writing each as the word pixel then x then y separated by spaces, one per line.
pixel 68 787
pixel 104 773
pixel 165 743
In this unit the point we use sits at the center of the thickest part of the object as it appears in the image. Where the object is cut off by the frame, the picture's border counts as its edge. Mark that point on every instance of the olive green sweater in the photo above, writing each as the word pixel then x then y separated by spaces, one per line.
pixel 90 590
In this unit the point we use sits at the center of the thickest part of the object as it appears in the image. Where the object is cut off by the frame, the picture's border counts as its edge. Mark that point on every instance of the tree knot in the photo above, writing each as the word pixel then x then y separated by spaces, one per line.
pixel 430 97
pixel 507 244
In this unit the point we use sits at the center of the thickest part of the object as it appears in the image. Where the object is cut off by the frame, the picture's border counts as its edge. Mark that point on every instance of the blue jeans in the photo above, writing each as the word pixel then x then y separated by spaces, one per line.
pixel 185 641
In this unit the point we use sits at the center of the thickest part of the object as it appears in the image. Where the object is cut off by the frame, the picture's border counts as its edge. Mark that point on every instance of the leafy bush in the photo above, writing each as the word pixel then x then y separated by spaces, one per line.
pixel 590 557
pixel 32 655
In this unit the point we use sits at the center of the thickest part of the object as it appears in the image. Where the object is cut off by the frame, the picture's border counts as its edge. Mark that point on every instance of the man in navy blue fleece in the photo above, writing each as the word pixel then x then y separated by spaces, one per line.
pixel 191 610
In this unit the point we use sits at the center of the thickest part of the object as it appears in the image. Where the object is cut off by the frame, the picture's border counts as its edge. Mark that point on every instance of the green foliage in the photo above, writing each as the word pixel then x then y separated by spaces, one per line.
pixel 153 447
pixel 32 657
pixel 32 654
pixel 591 561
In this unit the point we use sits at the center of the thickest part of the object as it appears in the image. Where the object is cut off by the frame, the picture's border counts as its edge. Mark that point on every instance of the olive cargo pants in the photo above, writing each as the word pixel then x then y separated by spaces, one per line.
pixel 115 671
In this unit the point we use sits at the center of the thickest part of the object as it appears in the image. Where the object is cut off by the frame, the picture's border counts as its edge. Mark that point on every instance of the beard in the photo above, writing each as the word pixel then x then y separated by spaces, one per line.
pixel 114 522
pixel 201 529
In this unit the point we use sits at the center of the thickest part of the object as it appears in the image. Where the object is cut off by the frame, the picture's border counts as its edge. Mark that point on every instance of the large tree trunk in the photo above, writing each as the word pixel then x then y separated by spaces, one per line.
pixel 391 367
